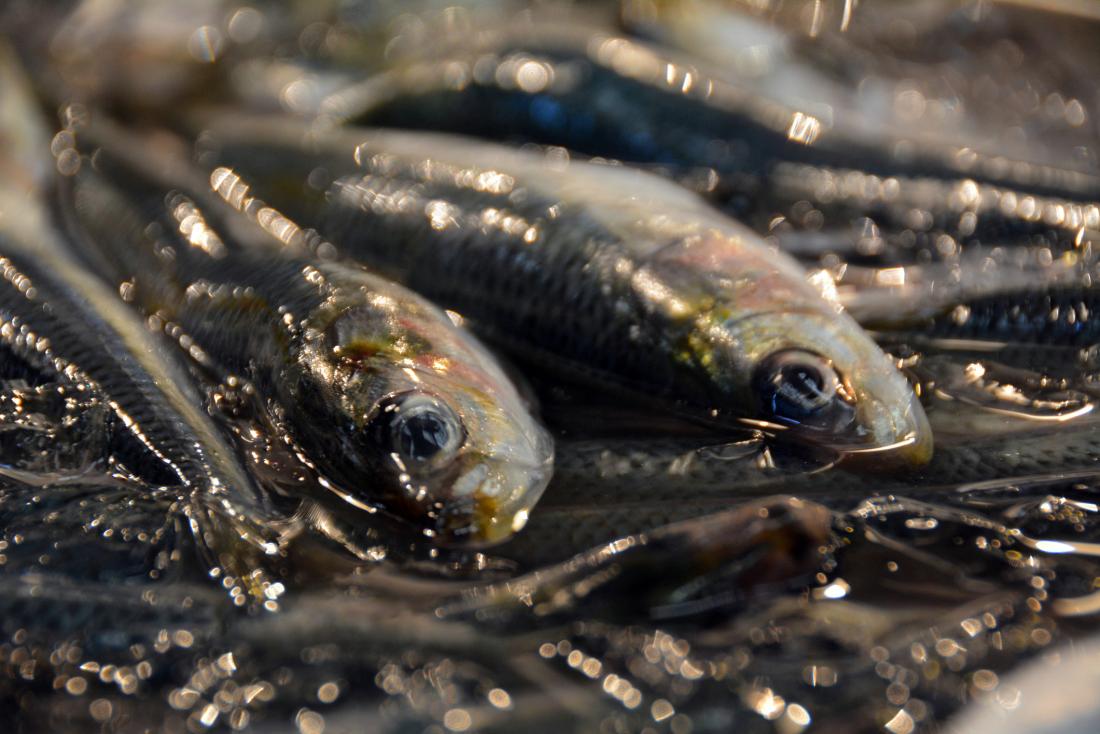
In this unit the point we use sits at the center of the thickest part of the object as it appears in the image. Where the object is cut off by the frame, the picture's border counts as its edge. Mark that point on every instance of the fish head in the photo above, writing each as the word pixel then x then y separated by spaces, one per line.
pixel 434 429
pixel 814 375
pixel 765 345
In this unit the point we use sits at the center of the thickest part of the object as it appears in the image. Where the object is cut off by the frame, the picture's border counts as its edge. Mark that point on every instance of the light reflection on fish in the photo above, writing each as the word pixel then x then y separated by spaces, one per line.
pixel 537 83
pixel 398 408
pixel 65 323
pixel 909 195
pixel 920 608
pixel 1066 316
pixel 609 272
pixel 933 80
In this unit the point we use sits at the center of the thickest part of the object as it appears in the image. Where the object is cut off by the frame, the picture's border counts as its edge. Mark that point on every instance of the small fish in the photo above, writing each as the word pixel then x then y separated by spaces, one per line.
pixel 603 271
pixel 618 97
pixel 847 61
pixel 1054 316
pixel 68 325
pixel 398 408
pixel 774 164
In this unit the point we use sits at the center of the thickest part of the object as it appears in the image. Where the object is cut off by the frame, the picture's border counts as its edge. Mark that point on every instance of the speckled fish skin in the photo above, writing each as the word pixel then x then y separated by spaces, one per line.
pixel 1051 317
pixel 850 59
pixel 606 271
pixel 611 96
pixel 339 356
pixel 67 324
pixel 604 488
pixel 760 160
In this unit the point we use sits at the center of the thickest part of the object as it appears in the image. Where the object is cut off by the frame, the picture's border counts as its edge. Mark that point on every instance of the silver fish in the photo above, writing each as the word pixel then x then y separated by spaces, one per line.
pixel 61 320
pixel 399 409
pixel 610 272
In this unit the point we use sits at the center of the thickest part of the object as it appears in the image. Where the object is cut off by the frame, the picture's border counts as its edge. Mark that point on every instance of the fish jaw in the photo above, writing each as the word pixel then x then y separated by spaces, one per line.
pixel 492 500
pixel 898 432
pixel 903 441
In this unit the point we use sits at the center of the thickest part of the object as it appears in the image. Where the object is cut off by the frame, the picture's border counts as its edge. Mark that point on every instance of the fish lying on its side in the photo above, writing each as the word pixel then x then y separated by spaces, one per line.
pixel 615 96
pixel 758 157
pixel 67 324
pixel 1050 317
pixel 607 271
pixel 934 83
pixel 399 409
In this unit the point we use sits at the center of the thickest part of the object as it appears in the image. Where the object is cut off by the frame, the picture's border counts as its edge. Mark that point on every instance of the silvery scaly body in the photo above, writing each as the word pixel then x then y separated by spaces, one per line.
pixel 812 163
pixel 397 408
pixel 603 270
pixel 61 321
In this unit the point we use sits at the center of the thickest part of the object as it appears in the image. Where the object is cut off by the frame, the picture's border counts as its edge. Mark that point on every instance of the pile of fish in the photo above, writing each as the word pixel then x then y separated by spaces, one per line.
pixel 616 367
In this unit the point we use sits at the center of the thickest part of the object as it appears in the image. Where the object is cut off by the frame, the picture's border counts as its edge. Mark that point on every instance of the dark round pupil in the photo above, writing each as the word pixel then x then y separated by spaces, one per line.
pixel 422 435
pixel 798 391
pixel 804 386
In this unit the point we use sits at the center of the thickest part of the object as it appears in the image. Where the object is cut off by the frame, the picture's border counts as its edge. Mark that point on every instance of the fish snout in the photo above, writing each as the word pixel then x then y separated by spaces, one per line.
pixel 897 437
pixel 492 501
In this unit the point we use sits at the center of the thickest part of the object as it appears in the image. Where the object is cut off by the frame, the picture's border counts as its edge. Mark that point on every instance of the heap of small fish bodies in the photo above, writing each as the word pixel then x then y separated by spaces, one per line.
pixel 623 367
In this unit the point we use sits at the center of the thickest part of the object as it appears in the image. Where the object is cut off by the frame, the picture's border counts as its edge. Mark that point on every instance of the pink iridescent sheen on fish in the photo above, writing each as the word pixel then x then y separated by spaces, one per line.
pixel 600 270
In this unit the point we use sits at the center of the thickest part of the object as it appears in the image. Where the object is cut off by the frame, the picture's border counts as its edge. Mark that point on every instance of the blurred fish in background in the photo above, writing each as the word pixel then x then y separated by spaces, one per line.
pixel 641 366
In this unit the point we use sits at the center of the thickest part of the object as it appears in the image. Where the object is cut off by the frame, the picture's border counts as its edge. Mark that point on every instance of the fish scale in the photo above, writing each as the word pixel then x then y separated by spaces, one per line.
pixel 602 113
pixel 924 610
pixel 75 348
pixel 585 307
pixel 330 352
pixel 1053 317
pixel 82 334
pixel 758 159
pixel 239 323
pixel 625 99
pixel 608 274
pixel 490 275
pixel 597 505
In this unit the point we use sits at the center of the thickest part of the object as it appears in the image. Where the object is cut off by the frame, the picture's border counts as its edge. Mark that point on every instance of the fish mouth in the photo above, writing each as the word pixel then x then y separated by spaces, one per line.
pixel 887 444
pixel 908 446
pixel 490 503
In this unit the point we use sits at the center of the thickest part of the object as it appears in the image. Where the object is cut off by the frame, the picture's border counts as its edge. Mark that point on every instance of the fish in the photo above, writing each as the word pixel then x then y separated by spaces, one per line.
pixel 613 96
pixel 1042 325
pixel 706 564
pixel 761 159
pixel 848 62
pixel 606 273
pixel 63 323
pixel 605 487
pixel 821 579
pixel 401 412
pixel 1052 317
pixel 861 81
pixel 167 645
pixel 874 599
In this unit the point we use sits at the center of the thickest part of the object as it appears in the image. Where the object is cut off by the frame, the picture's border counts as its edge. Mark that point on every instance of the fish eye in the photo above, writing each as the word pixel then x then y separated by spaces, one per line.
pixel 797 387
pixel 422 430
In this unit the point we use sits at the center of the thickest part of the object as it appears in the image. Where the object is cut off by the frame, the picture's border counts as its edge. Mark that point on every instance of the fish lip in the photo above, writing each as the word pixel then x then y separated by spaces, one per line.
pixel 911 449
pixel 465 525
